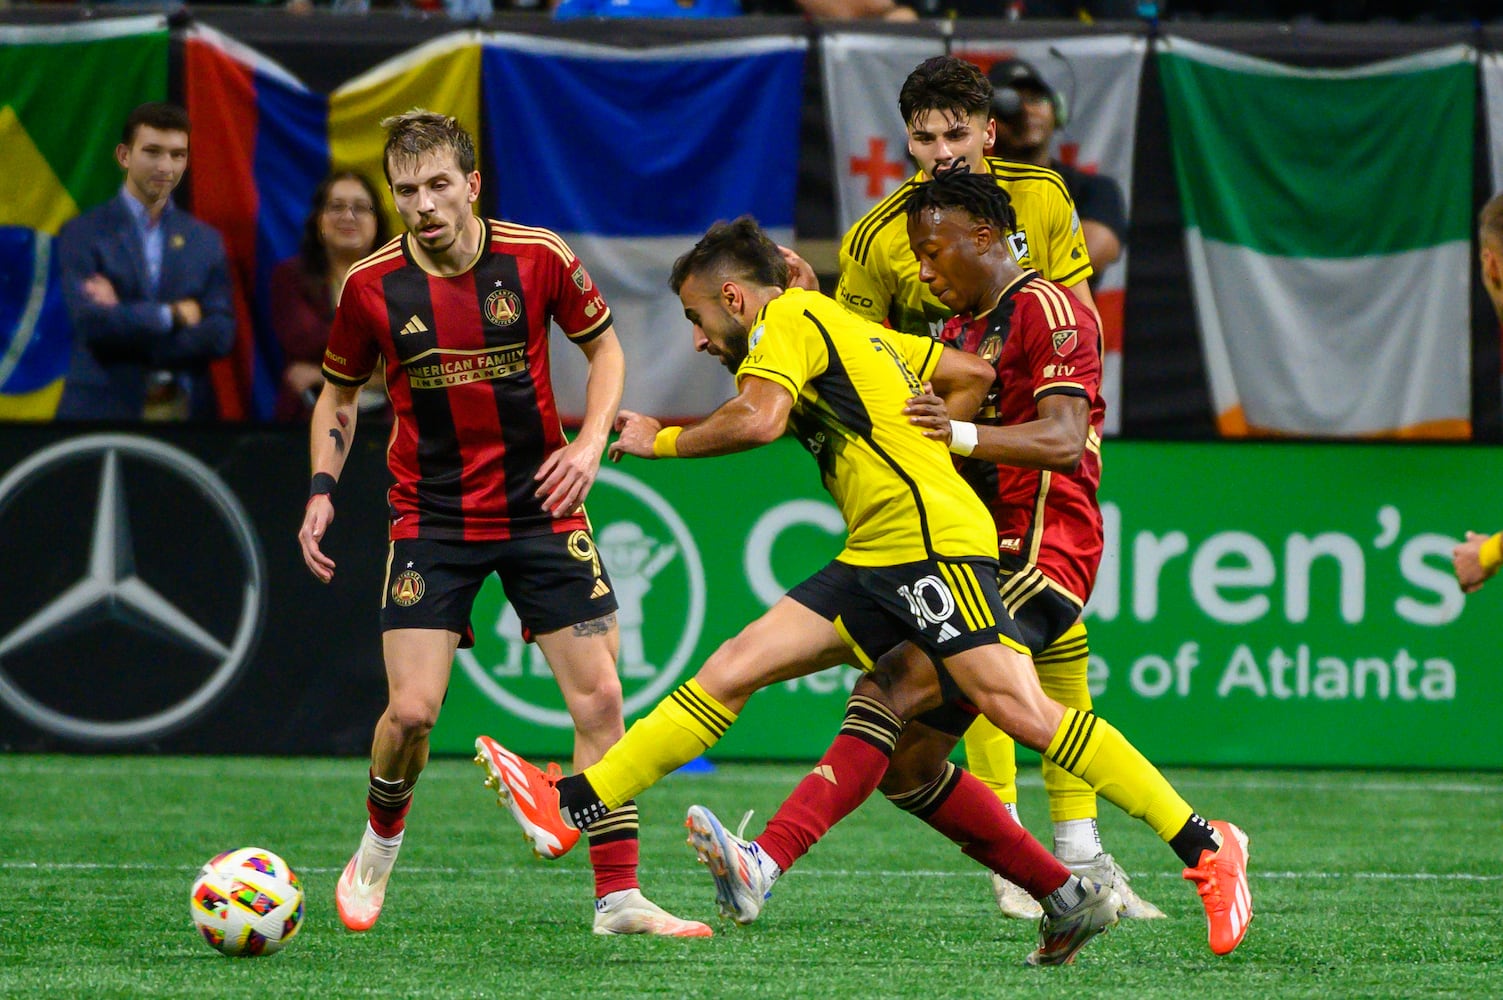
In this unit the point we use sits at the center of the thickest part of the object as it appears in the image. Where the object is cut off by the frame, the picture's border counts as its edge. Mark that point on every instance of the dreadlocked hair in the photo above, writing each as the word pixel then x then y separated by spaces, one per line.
pixel 978 194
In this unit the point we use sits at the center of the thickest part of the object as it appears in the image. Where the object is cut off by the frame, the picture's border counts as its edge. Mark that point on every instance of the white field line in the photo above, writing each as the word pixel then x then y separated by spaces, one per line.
pixel 1291 782
pixel 802 873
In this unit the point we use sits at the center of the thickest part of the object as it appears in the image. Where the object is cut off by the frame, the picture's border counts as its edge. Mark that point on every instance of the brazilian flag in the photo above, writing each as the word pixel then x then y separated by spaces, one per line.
pixel 64 94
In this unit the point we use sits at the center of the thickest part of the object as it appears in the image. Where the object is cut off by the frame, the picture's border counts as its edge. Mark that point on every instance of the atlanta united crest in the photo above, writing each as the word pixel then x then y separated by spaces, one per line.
pixel 407 589
pixel 502 307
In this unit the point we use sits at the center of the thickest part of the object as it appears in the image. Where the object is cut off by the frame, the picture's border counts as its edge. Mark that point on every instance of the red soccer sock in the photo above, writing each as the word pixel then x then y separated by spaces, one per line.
pixel 615 850
pixel 387 802
pixel 966 811
pixel 845 777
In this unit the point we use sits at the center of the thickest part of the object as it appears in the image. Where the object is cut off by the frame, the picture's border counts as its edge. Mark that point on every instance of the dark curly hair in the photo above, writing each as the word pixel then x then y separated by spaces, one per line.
pixel 738 248
pixel 978 194
pixel 945 84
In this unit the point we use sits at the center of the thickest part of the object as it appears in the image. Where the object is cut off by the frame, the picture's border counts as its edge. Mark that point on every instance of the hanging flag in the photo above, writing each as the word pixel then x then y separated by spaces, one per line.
pixel 630 155
pixel 1097 75
pixel 1492 93
pixel 65 92
pixel 441 75
pixel 1328 218
pixel 259 150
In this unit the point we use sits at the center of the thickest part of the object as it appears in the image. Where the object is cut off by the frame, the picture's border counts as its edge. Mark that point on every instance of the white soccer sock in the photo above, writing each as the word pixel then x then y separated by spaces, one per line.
pixel 1076 840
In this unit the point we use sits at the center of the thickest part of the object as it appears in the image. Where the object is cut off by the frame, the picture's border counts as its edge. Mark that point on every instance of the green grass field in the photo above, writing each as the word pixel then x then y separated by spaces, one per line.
pixel 1365 884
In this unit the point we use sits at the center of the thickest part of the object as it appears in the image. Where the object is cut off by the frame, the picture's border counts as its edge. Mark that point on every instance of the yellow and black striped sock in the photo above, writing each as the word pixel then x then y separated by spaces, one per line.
pixel 682 726
pixel 1093 750
pixel 1062 674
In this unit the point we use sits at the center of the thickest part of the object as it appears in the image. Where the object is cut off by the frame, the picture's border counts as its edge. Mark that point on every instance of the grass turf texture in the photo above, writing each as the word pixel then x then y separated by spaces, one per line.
pixel 1365 884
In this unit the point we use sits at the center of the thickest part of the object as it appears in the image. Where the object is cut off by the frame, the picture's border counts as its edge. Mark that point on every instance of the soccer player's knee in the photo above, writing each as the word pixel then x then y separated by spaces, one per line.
pixel 413 718
pixel 734 671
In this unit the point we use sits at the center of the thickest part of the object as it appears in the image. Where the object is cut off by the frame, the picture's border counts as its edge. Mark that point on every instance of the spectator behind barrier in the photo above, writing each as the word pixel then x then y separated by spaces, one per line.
pixel 147 287
pixel 345 224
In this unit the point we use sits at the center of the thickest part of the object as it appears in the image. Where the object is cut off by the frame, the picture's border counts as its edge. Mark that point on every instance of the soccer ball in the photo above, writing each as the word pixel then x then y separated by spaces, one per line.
pixel 247 902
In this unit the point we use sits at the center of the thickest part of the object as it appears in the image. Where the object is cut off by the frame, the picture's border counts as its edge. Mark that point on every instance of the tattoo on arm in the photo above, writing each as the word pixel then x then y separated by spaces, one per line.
pixel 338 440
pixel 596 626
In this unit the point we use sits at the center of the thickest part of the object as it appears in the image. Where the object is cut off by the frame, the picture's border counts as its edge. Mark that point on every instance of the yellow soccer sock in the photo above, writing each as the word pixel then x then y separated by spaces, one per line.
pixel 681 727
pixel 1092 749
pixel 991 755
pixel 1062 675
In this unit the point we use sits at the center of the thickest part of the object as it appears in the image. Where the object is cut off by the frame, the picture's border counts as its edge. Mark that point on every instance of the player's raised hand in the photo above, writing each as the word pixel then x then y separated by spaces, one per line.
pixel 565 477
pixel 316 520
pixel 800 272
pixel 637 435
pixel 928 412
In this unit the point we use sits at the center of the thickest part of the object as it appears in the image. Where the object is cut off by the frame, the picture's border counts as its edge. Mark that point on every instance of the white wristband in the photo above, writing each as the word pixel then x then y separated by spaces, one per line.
pixel 962 437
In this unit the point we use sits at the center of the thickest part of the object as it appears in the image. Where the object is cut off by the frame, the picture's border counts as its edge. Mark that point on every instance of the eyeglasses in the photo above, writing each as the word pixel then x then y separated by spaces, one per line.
pixel 358 210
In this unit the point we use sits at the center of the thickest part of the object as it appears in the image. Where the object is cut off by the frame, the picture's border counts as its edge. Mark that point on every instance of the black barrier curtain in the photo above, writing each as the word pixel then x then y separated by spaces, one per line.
pixel 1165 388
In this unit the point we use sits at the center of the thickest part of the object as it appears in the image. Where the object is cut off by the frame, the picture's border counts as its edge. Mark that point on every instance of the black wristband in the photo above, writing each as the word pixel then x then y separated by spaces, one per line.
pixel 323 483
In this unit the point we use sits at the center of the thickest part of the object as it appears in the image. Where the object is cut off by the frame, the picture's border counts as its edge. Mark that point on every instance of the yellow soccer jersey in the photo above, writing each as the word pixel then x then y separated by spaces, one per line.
pixel 898 491
pixel 879 275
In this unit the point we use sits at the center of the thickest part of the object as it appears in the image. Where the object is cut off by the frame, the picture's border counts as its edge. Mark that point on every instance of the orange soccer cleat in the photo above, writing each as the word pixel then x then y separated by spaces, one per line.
pixel 1221 880
pixel 530 796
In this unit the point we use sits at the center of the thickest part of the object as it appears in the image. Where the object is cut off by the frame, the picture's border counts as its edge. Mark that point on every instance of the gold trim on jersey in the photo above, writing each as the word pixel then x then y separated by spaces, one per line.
pixel 1049 387
pixel 1093 441
pixel 412 252
pixel 390 250
pixel 1021 587
pixel 349 382
pixel 1036 529
pixel 1059 311
pixel 391 551
pixel 591 330
pixel 516 232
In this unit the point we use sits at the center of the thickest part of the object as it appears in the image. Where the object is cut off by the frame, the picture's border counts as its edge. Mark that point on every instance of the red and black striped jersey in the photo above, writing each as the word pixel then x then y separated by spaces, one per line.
pixel 1042 342
pixel 467 371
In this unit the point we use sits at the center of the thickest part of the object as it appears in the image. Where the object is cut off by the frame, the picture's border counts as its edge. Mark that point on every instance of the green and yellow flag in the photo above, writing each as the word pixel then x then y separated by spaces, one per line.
pixel 64 94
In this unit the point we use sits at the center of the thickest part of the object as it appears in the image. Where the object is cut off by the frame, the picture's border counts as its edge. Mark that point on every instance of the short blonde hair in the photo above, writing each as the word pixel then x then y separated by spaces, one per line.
pixel 415 133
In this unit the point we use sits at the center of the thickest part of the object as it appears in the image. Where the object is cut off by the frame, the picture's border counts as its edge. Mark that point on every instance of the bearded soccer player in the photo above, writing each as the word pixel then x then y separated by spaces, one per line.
pixel 1036 462
pixel 918 565
pixel 459 309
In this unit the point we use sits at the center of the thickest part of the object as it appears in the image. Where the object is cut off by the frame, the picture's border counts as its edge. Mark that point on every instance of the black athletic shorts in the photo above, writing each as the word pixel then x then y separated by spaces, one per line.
pixel 1042 615
pixel 553 581
pixel 945 606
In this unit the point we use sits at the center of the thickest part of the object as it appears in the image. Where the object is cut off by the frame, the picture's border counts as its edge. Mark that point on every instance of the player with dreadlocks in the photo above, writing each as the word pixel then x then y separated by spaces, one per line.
pixel 1034 457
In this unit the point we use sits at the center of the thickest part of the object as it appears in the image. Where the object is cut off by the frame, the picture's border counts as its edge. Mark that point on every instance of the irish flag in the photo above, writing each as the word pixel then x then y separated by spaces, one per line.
pixel 1328 230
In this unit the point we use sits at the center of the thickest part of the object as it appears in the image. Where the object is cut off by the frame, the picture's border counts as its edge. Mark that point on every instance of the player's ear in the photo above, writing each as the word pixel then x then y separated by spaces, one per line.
pixel 474 184
pixel 730 294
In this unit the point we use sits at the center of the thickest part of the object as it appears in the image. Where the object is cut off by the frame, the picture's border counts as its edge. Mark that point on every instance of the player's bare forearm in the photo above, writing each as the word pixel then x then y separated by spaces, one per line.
pixel 1473 566
pixel 331 431
pixel 756 417
pixel 566 476
pixel 603 388
pixel 962 381
pixel 1055 442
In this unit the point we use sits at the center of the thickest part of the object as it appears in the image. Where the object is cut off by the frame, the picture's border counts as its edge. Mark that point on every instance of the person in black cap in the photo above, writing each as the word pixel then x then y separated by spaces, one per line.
pixel 1027 112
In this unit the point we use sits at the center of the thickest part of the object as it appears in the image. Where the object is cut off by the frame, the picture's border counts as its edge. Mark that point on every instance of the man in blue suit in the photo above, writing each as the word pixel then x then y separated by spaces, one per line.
pixel 147 287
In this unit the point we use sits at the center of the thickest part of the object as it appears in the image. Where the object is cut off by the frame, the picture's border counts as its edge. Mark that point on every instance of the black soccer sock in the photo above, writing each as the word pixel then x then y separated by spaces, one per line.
pixel 579 801
pixel 1193 838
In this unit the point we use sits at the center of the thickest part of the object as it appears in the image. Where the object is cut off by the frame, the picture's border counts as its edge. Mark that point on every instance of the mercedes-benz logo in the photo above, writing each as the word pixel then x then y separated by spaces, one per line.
pixel 111 589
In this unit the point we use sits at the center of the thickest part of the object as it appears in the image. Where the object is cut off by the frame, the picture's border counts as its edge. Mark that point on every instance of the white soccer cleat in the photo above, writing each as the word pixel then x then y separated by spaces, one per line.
pixel 1014 901
pixel 743 874
pixel 1062 936
pixel 630 912
pixel 361 890
pixel 1103 868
